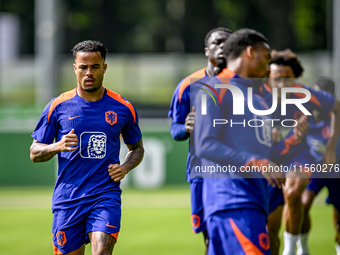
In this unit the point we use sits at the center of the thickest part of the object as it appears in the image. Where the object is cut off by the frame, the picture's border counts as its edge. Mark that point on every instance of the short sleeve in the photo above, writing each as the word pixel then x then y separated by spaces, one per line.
pixel 131 131
pixel 46 129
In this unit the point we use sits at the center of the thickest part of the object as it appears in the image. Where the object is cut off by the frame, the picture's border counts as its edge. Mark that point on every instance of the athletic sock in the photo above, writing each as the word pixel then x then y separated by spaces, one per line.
pixel 289 243
pixel 302 244
pixel 337 248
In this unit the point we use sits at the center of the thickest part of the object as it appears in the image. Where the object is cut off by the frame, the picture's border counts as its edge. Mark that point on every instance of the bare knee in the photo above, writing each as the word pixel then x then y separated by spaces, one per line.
pixel 293 190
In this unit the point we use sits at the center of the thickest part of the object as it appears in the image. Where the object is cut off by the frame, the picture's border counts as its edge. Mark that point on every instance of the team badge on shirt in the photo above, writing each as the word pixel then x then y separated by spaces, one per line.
pixel 111 117
pixel 93 145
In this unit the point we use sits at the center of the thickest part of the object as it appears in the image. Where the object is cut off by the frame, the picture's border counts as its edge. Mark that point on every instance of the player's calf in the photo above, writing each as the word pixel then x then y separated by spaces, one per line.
pixel 293 212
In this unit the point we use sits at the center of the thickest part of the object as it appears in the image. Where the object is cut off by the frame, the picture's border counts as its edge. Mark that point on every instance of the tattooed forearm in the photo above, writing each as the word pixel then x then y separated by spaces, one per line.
pixel 135 155
pixel 101 243
pixel 42 152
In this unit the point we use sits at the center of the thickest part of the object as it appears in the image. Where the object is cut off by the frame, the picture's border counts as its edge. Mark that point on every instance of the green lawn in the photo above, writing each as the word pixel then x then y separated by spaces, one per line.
pixel 322 233
pixel 153 222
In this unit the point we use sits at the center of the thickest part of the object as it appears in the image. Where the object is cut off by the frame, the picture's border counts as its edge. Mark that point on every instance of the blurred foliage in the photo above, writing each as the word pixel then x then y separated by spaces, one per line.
pixel 25 10
pixel 131 26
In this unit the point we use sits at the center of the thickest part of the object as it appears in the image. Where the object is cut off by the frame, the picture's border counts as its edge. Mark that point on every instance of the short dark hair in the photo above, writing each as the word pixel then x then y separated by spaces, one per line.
pixel 217 29
pixel 326 83
pixel 240 40
pixel 89 46
pixel 287 58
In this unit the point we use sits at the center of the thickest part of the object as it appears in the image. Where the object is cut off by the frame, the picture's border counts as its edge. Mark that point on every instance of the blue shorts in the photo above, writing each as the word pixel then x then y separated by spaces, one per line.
pixel 70 227
pixel 238 232
pixel 275 198
pixel 333 186
pixel 196 197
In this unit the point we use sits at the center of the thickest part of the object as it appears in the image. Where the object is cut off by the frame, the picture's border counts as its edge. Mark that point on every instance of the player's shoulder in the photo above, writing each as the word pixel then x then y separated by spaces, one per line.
pixel 265 88
pixel 226 73
pixel 240 82
pixel 312 90
pixel 194 76
pixel 317 96
pixel 60 99
pixel 118 98
pixel 64 96
pixel 191 79
pixel 305 86
pixel 301 85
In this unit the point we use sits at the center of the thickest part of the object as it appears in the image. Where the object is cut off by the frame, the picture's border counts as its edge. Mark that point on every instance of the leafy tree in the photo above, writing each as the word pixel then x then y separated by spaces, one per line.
pixel 180 25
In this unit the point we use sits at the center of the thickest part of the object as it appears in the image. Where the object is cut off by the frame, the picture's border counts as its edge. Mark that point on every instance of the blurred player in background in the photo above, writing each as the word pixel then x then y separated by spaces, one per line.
pixel 83 127
pixel 183 117
pixel 182 121
pixel 276 195
pixel 236 205
pixel 317 140
pixel 285 67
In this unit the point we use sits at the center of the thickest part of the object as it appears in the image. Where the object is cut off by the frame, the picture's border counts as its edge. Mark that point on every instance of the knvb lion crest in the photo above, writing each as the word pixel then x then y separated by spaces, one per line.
pixel 264 241
pixel 97 146
pixel 111 117
pixel 61 238
pixel 93 145
pixel 195 220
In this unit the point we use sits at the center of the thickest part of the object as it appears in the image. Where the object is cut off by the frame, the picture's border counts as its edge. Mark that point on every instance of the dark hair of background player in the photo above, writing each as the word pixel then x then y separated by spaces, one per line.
pixel 287 58
pixel 240 40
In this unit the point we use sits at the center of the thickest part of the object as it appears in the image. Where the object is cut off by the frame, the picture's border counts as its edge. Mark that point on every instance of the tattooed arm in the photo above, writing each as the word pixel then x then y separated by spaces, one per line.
pixel 41 152
pixel 133 158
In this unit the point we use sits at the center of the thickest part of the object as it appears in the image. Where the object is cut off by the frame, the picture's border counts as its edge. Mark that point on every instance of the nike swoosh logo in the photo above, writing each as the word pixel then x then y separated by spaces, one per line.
pixel 71 118
pixel 108 225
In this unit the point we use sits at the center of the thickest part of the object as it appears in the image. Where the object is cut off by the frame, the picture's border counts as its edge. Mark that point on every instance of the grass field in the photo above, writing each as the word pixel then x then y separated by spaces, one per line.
pixel 153 222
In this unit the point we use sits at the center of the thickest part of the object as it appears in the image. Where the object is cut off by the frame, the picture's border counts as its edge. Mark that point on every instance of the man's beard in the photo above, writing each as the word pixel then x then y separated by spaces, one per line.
pixel 91 89
pixel 221 64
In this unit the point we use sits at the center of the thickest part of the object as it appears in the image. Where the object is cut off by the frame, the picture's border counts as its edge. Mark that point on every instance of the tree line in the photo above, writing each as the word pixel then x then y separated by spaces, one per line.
pixel 130 26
